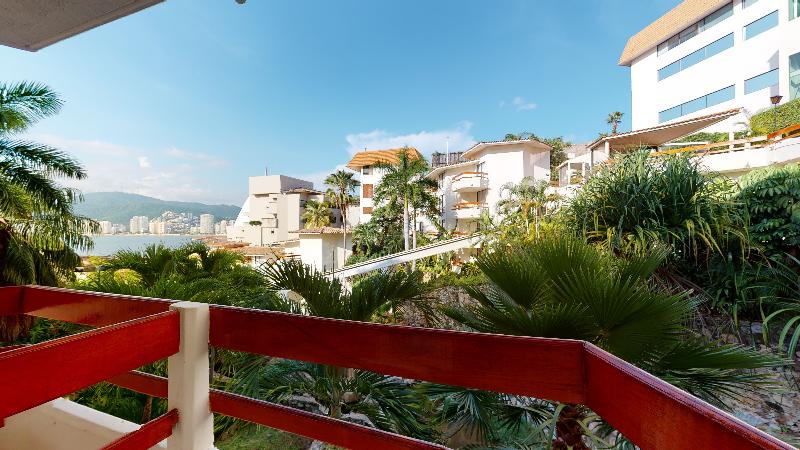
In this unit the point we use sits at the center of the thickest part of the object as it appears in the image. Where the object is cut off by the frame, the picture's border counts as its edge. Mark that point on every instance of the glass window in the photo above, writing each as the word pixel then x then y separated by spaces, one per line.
pixel 669 114
pixel 366 170
pixel 761 25
pixel 688 33
pixel 717 16
pixel 794 9
pixel 719 45
pixel 746 3
pixel 669 70
pixel 762 81
pixel 693 105
pixel 721 96
pixel 692 58
pixel 794 76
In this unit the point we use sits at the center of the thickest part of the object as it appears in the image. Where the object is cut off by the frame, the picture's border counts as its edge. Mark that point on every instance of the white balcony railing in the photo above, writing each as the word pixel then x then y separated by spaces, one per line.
pixel 468 210
pixel 470 182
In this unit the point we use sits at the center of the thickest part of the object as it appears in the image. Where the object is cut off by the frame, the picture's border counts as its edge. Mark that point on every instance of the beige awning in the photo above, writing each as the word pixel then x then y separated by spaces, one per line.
pixel 35 24
pixel 661 134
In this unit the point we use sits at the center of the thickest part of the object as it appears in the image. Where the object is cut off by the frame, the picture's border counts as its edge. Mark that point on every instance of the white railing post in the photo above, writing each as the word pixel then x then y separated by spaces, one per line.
pixel 188 372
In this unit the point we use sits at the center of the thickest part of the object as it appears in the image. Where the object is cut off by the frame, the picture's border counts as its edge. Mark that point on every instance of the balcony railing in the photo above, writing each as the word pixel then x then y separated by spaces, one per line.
pixel 470 182
pixel 469 210
pixel 136 331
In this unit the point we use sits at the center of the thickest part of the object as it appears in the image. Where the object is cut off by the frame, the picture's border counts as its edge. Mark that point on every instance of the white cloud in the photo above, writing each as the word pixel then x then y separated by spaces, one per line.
pixel 114 167
pixel 426 142
pixel 197 156
pixel 520 104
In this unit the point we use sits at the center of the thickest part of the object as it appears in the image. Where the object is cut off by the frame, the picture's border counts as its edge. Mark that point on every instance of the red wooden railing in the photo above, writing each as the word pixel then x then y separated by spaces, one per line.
pixel 650 412
pixel 31 375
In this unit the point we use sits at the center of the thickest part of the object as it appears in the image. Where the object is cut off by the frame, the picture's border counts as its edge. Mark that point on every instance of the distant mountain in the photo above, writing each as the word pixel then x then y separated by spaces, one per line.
pixel 119 207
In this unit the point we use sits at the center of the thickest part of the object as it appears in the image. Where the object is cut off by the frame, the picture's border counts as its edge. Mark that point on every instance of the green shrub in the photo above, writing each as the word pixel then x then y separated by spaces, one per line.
pixel 787 114
pixel 772 196
pixel 637 201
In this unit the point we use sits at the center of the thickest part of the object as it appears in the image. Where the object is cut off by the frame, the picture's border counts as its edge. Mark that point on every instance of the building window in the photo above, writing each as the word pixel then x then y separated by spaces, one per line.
pixel 706 101
pixel 794 9
pixel 366 170
pixel 746 3
pixel 761 25
pixel 366 191
pixel 758 82
pixel 794 76
pixel 693 58
pixel 367 210
pixel 696 28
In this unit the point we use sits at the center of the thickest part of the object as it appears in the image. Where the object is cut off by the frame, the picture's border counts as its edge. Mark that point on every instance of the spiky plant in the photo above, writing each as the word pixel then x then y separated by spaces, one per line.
pixel 561 287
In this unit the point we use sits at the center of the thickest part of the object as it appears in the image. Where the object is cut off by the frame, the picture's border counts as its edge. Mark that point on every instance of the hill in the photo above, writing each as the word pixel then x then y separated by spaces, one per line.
pixel 119 207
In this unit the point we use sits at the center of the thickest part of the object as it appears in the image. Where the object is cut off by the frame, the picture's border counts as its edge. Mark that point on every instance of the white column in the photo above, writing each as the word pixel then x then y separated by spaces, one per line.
pixel 188 381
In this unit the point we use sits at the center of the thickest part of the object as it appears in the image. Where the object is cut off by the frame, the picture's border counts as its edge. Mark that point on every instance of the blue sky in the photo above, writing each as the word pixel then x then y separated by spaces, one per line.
pixel 186 99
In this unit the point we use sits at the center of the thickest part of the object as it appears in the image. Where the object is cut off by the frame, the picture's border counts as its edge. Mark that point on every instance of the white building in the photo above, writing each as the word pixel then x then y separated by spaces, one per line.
pixel 139 224
pixel 221 228
pixel 364 163
pixel 158 226
pixel 471 182
pixel 706 56
pixel 106 227
pixel 324 248
pixel 273 210
pixel 206 224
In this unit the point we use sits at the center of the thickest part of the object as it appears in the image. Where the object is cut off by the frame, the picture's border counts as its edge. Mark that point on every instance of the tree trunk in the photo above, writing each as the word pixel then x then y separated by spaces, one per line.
pixel 405 223
pixel 569 432
pixel 148 409
pixel 344 235
pixel 414 237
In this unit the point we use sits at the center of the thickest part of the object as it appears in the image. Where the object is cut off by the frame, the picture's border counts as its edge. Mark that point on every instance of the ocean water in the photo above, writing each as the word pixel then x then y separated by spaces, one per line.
pixel 106 245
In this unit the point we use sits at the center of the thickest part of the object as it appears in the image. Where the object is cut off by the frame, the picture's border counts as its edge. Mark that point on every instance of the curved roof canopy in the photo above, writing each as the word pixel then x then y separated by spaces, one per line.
pixel 372 157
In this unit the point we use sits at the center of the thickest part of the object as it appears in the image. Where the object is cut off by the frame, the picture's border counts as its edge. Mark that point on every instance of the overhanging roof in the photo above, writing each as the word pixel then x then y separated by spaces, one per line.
pixel 661 134
pixel 480 146
pixel 34 24
pixel 372 157
pixel 674 21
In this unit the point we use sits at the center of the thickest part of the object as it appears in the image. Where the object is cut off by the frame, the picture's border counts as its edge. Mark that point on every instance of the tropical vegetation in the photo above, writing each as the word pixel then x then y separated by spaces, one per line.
pixel 39 231
pixel 316 214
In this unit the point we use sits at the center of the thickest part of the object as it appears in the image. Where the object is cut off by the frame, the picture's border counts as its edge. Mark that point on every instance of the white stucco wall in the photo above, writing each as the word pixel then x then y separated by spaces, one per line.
pixel 746 59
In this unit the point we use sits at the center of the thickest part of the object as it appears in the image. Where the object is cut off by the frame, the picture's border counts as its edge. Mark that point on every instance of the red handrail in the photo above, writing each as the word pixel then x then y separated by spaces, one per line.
pixel 148 435
pixel 648 411
pixel 35 374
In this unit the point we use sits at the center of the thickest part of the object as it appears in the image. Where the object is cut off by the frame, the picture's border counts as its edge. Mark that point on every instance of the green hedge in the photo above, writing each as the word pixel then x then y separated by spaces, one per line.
pixel 788 114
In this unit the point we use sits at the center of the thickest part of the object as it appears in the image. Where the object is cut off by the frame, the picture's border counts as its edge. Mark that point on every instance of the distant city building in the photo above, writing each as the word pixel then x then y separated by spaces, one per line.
pixel 139 224
pixel 206 224
pixel 221 228
pixel 118 228
pixel 106 227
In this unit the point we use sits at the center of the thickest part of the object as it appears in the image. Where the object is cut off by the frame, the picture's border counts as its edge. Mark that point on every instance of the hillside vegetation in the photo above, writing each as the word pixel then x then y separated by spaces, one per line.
pixel 119 207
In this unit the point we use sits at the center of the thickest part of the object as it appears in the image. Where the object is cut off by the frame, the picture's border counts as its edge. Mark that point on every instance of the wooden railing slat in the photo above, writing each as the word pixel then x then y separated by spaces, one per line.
pixel 148 435
pixel 39 373
pixel 314 426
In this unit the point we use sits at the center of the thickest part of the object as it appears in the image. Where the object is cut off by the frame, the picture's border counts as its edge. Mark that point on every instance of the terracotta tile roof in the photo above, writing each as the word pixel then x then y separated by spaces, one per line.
pixel 371 157
pixel 674 21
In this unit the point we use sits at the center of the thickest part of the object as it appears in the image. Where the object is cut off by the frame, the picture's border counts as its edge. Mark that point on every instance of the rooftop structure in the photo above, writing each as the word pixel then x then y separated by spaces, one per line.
pixel 132 331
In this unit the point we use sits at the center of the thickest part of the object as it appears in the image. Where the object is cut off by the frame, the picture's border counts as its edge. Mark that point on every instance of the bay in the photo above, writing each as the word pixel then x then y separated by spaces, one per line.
pixel 106 245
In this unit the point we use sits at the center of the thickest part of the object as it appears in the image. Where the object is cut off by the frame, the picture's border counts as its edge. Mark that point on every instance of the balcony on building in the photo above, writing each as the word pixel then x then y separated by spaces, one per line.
pixel 470 182
pixel 468 210
pixel 439 159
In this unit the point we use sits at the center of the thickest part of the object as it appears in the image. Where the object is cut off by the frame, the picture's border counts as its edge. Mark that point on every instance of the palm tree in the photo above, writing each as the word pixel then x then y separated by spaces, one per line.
pixel 39 231
pixel 561 287
pixel 316 214
pixel 342 184
pixel 527 199
pixel 400 181
pixel 390 403
pixel 614 120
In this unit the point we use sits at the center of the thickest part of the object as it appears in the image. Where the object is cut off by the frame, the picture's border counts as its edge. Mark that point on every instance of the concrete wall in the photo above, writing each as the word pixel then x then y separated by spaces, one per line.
pixel 746 59
pixel 63 425
pixel 324 251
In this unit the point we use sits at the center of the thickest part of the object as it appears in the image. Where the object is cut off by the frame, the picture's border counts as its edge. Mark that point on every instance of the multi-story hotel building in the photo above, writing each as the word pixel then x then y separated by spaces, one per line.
pixel 705 56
